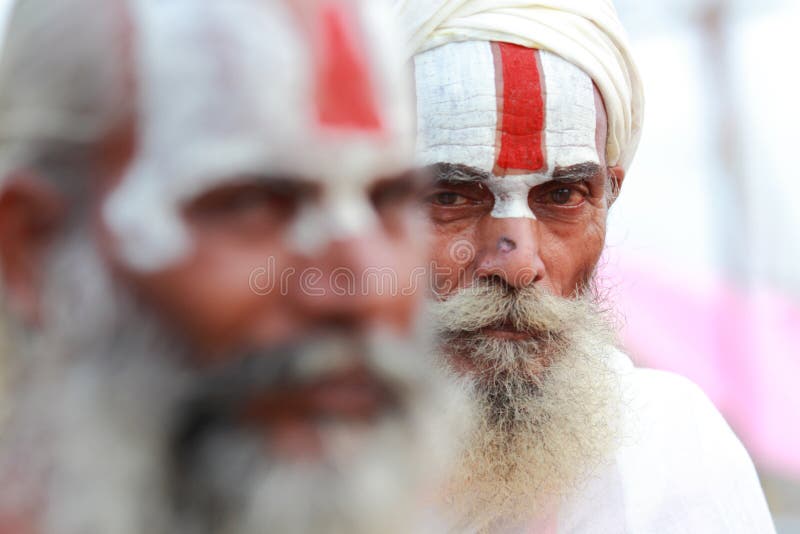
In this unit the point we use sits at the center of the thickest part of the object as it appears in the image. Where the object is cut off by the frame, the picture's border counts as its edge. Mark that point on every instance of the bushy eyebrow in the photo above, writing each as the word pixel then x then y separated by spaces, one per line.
pixel 580 172
pixel 455 172
pixel 276 183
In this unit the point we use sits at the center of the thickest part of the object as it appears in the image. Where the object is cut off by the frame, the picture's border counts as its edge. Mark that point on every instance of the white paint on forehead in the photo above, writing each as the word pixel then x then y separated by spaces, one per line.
pixel 456 105
pixel 457 102
pixel 570 113
pixel 226 90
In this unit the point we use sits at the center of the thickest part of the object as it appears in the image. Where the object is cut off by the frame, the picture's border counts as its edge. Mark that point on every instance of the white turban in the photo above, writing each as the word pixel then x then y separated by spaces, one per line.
pixel 587 33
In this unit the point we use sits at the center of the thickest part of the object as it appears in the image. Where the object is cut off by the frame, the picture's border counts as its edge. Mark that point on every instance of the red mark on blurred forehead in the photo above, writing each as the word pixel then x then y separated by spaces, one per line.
pixel 520 110
pixel 344 93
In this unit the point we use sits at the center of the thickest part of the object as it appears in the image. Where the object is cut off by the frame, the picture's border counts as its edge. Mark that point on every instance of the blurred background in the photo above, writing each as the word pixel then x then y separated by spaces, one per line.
pixel 704 243
pixel 703 258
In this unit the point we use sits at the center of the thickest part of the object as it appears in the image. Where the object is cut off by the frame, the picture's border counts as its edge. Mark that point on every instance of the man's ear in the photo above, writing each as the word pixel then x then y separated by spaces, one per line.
pixel 616 177
pixel 31 213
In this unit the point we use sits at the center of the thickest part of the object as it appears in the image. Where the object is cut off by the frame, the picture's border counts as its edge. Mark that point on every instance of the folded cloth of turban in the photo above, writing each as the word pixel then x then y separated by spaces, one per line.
pixel 587 33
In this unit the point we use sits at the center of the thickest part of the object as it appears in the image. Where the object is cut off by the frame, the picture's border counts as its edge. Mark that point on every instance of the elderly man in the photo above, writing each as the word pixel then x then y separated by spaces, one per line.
pixel 528 115
pixel 161 162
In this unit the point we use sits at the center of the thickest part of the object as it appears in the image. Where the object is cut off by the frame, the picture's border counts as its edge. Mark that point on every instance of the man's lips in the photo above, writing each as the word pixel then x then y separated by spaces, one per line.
pixel 354 395
pixel 506 330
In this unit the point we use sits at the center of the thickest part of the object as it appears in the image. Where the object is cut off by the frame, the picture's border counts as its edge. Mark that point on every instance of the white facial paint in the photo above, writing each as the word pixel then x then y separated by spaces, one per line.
pixel 456 105
pixel 511 196
pixel 570 113
pixel 344 211
pixel 457 118
pixel 226 89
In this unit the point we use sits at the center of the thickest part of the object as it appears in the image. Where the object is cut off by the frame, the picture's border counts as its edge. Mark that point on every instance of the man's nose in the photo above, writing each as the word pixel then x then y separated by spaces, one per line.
pixel 509 250
pixel 357 282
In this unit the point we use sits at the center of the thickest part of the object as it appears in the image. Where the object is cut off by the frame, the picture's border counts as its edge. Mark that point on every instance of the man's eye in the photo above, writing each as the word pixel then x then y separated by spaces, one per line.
pixel 447 198
pixel 565 196
pixel 254 205
pixel 245 201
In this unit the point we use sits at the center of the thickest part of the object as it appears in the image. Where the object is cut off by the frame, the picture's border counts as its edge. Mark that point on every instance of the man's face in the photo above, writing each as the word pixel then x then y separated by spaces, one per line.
pixel 281 233
pixel 516 140
pixel 241 275
pixel 247 282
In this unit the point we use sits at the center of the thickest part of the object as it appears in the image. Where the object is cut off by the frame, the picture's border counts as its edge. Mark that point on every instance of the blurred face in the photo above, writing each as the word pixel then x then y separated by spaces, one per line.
pixel 515 139
pixel 258 275
pixel 246 351
pixel 252 276
pixel 270 250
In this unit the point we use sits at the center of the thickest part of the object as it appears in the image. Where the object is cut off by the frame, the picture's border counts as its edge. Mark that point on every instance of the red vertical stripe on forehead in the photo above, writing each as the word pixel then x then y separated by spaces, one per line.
pixel 344 91
pixel 520 110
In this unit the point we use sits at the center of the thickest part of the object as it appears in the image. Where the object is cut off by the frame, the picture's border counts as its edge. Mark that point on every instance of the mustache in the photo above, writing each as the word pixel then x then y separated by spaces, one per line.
pixel 283 366
pixel 486 304
pixel 216 397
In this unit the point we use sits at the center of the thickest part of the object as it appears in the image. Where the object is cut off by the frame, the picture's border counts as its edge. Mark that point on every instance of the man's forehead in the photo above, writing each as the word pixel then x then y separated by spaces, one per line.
pixel 257 88
pixel 504 109
pixel 276 85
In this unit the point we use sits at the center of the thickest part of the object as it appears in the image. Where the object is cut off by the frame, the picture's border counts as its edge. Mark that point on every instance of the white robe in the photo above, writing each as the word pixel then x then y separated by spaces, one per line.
pixel 680 470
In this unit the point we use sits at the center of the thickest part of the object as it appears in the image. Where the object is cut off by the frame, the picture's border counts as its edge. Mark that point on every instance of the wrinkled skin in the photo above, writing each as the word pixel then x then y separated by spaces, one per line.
pixel 557 252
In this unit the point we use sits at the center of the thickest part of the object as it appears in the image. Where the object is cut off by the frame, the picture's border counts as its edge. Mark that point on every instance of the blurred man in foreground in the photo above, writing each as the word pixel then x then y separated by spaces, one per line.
pixel 529 115
pixel 192 194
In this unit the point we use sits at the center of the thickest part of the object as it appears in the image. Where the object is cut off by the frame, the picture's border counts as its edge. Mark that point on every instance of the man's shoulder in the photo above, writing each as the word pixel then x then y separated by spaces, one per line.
pixel 662 401
pixel 660 404
pixel 673 415
pixel 678 448
pixel 679 467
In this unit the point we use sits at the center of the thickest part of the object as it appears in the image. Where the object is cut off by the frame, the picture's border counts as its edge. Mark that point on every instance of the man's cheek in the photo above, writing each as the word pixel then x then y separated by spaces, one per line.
pixel 442 272
pixel 451 265
pixel 570 262
pixel 596 239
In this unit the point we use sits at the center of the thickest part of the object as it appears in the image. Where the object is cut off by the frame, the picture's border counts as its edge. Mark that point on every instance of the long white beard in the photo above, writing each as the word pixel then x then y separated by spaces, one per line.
pixel 100 396
pixel 549 406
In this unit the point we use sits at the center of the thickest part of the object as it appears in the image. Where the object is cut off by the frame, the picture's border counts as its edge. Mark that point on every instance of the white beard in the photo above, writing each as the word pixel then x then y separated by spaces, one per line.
pixel 100 395
pixel 549 407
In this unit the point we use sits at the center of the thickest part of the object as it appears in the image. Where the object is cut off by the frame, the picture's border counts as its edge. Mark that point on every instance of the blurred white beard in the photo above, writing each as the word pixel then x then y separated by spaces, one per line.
pixel 96 442
pixel 549 406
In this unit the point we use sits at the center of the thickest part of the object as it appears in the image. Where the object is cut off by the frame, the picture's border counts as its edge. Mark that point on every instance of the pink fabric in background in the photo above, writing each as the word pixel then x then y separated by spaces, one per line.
pixel 740 345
